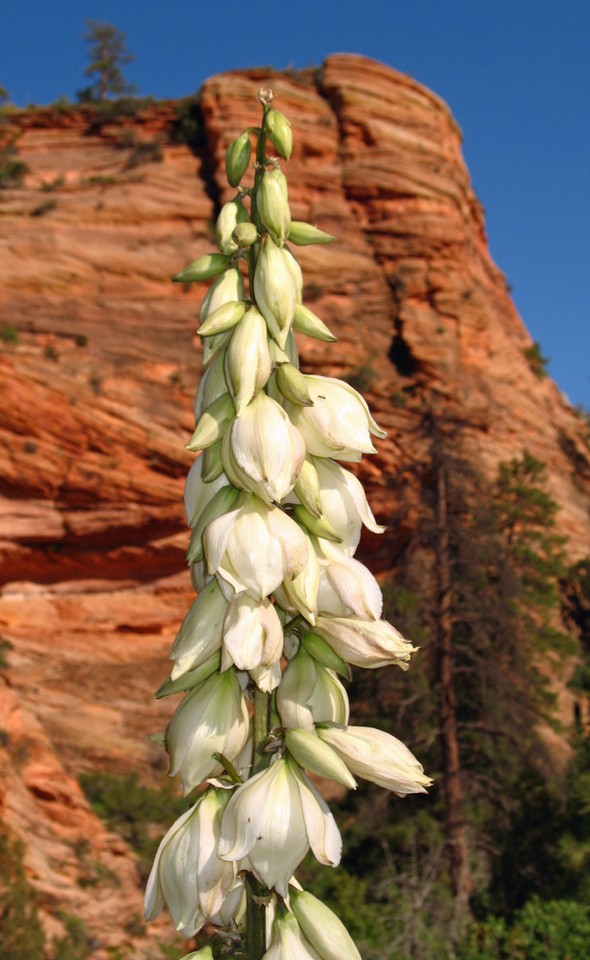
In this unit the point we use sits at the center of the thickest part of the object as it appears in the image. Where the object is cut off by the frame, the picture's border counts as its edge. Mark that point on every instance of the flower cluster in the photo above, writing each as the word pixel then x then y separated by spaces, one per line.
pixel 283 607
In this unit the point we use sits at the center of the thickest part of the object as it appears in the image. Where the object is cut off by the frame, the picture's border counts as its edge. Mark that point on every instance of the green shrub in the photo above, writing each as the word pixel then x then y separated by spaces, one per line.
pixel 536 361
pixel 9 334
pixel 21 933
pixel 12 172
pixel 131 809
pixel 145 152
pixel 541 930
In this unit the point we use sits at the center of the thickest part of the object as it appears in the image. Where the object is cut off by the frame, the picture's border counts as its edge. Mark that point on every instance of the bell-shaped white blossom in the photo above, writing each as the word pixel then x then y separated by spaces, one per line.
pixel 272 820
pixel 377 756
pixel 365 643
pixel 309 692
pixel 247 359
pixel 212 718
pixel 315 756
pixel 200 632
pixel 254 546
pixel 252 634
pixel 346 586
pixel 339 424
pixel 322 928
pixel 300 594
pixel 187 874
pixel 263 451
pixel 344 504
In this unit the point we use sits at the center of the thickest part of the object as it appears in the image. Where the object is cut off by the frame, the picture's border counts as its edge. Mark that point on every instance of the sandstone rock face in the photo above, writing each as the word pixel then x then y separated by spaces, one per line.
pixel 98 367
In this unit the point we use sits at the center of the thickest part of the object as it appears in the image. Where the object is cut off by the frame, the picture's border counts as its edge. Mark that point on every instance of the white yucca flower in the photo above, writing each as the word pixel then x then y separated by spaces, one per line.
pixel 339 424
pixel 377 756
pixel 262 451
pixel 321 927
pixel 254 547
pixel 212 718
pixel 187 874
pixel 346 586
pixel 309 692
pixel 365 643
pixel 252 634
pixel 271 822
pixel 343 503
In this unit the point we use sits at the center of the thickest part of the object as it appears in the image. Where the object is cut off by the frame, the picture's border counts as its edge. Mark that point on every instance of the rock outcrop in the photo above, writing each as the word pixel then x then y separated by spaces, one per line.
pixel 98 368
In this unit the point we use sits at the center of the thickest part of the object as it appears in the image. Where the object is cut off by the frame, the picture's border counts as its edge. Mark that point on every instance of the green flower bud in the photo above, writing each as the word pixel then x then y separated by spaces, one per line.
pixel 275 290
pixel 279 131
pixel 204 268
pixel 273 205
pixel 323 929
pixel 212 423
pixel 237 158
pixel 307 488
pixel 247 360
pixel 245 234
pixel 190 679
pixel 308 751
pixel 306 322
pixel 231 214
pixel 319 526
pixel 302 233
pixel 212 465
pixel 293 384
pixel 320 650
pixel 227 316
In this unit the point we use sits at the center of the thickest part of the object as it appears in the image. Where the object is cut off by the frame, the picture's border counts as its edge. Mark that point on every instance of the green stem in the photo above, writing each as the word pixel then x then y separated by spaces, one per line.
pixel 255 934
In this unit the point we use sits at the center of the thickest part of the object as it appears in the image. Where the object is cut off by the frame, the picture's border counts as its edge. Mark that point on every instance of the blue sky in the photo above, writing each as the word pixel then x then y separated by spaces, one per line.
pixel 516 74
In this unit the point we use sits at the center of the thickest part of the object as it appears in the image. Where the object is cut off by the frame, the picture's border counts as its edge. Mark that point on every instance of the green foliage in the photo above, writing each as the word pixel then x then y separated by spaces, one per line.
pixel 551 930
pixel 21 933
pixel 5 647
pixel 132 810
pixel 145 152
pixel 9 334
pixel 535 359
pixel 41 209
pixel 188 128
pixel 12 171
pixel 107 53
pixel 77 944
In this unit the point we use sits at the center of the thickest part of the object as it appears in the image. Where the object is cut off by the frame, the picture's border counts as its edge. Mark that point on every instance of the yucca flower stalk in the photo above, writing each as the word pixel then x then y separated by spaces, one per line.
pixel 283 607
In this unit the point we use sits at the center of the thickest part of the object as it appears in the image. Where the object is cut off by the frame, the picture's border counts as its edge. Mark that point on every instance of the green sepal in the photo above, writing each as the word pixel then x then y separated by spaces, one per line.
pixel 212 423
pixel 320 650
pixel 293 385
pixel 306 322
pixel 319 526
pixel 227 316
pixel 204 268
pixel 302 234
pixel 190 679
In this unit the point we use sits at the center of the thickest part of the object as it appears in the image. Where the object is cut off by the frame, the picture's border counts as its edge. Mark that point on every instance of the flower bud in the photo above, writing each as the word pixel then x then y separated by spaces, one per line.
pixel 212 423
pixel 231 214
pixel 245 234
pixel 301 234
pixel 325 931
pixel 200 632
pixel 237 158
pixel 191 678
pixel 273 205
pixel 308 751
pixel 224 318
pixel 318 526
pixel 321 651
pixel 229 286
pixel 247 360
pixel 275 290
pixel 204 268
pixel 220 503
pixel 307 488
pixel 304 321
pixel 279 131
pixel 293 385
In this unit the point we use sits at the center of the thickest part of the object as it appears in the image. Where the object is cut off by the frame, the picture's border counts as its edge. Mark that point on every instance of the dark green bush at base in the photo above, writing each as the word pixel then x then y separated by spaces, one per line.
pixel 541 930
